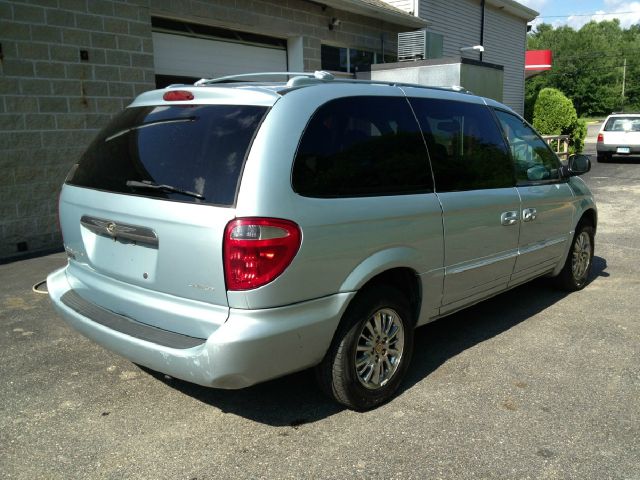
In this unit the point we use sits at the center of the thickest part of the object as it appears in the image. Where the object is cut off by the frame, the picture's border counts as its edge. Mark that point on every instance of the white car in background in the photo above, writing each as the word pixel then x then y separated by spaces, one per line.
pixel 619 135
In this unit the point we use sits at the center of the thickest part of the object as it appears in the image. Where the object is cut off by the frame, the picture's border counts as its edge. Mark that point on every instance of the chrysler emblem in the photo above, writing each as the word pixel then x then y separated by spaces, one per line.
pixel 112 229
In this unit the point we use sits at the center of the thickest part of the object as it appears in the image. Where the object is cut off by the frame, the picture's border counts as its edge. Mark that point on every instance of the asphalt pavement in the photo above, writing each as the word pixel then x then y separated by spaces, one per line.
pixel 533 383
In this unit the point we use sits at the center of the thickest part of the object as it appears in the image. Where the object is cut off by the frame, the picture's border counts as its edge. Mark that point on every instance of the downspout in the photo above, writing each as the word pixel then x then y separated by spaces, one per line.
pixel 481 26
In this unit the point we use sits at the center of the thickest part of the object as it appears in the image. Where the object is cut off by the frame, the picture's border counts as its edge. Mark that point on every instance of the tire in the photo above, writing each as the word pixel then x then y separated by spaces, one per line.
pixel 575 273
pixel 363 374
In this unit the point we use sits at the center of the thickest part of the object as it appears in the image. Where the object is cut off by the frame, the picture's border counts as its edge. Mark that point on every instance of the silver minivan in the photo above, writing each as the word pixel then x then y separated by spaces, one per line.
pixel 228 232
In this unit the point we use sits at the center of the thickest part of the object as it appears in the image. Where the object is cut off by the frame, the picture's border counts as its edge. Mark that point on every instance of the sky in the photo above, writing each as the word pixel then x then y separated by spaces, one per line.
pixel 576 13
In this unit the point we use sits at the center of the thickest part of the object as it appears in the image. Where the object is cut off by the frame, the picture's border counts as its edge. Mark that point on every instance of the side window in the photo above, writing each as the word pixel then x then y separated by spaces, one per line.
pixel 362 146
pixel 466 147
pixel 533 159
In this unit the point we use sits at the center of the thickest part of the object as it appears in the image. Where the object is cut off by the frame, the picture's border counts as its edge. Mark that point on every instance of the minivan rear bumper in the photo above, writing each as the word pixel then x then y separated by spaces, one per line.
pixel 250 347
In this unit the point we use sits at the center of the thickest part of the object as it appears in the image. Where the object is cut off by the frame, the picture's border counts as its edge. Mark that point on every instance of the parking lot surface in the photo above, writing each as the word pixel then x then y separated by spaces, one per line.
pixel 533 383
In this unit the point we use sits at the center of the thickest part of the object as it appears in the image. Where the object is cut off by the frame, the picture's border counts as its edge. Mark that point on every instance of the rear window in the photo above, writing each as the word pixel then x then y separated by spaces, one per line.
pixel 199 149
pixel 622 124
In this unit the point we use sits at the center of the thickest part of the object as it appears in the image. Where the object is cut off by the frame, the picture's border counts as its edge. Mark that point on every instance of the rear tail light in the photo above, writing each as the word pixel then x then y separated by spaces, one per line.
pixel 600 138
pixel 258 250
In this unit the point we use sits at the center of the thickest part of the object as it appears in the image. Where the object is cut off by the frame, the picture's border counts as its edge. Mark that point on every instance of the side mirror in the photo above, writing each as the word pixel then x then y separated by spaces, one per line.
pixel 577 165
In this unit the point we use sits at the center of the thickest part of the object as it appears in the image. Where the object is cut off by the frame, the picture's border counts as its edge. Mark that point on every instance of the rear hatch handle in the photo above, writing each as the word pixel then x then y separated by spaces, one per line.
pixel 115 231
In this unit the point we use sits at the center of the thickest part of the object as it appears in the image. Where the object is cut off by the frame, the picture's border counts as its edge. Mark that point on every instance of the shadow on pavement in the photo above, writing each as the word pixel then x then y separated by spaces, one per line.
pixel 295 399
pixel 441 340
pixel 635 159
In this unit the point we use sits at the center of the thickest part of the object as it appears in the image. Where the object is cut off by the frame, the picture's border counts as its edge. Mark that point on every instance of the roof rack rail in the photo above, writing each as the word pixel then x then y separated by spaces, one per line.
pixel 318 75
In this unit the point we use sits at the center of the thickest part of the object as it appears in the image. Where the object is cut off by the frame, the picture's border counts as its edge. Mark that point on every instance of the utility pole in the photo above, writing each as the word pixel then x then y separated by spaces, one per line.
pixel 624 76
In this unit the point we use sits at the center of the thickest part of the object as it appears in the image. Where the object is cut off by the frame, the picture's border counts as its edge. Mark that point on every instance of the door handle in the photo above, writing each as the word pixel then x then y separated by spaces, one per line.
pixel 529 214
pixel 509 218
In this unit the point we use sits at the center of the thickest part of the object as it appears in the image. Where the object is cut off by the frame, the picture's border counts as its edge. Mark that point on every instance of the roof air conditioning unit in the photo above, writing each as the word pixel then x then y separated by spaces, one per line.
pixel 412 45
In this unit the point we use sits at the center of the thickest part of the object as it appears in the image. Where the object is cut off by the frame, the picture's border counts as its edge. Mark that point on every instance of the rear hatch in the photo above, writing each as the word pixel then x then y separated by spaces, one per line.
pixel 623 133
pixel 144 211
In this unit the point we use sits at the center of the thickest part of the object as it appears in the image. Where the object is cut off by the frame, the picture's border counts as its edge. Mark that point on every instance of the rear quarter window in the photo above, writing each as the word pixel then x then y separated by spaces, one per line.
pixel 362 146
pixel 195 148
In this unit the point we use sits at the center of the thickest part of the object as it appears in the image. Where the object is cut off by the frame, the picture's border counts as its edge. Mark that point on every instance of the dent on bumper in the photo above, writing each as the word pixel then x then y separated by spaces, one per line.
pixel 250 347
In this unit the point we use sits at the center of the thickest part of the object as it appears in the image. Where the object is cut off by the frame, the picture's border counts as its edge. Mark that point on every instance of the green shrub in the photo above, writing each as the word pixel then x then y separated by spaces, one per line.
pixel 578 133
pixel 554 114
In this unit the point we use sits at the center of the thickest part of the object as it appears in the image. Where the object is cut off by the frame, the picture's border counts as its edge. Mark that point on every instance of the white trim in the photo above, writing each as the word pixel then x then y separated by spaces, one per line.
pixel 514 8
pixel 388 14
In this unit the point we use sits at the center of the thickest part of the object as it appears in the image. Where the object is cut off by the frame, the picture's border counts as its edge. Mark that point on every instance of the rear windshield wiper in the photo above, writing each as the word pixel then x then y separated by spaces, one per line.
pixel 149 124
pixel 165 188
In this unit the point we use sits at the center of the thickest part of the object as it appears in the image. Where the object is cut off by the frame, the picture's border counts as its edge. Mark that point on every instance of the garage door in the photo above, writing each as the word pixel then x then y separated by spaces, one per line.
pixel 182 56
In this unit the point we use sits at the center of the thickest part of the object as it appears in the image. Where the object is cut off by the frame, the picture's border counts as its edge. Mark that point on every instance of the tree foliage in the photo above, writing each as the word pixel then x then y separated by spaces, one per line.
pixel 588 67
pixel 554 114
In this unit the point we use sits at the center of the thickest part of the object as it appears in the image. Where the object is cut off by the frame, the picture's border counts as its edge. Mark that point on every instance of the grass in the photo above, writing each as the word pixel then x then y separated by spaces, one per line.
pixel 591 120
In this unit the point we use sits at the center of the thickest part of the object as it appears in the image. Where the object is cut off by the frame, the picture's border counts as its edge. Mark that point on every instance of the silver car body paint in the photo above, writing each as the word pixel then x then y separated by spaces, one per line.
pixel 454 242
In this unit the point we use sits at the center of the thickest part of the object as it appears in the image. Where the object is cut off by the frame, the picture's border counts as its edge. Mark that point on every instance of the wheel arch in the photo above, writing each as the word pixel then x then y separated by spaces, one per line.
pixel 589 216
pixel 407 281
pixel 390 267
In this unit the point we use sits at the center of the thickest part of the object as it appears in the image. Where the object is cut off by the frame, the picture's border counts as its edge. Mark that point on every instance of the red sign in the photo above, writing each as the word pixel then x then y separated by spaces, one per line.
pixel 538 60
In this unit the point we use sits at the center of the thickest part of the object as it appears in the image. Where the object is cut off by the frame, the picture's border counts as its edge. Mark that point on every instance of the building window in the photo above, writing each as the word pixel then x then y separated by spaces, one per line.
pixel 343 59
pixel 334 58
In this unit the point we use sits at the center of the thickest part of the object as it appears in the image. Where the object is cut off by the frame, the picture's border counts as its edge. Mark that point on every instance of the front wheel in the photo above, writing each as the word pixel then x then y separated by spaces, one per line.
pixel 575 273
pixel 371 350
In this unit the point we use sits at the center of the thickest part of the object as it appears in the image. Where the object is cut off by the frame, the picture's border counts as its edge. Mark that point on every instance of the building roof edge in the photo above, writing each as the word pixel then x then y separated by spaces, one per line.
pixel 515 8
pixel 378 9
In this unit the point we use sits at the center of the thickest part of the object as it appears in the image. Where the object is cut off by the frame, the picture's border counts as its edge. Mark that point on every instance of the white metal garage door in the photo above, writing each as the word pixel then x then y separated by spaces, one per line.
pixel 178 55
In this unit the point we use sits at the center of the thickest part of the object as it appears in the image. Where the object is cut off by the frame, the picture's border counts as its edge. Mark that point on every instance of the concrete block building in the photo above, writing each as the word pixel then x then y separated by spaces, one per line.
pixel 67 66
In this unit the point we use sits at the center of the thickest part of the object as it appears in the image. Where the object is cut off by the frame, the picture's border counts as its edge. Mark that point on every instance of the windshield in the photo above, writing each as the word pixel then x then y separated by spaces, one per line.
pixel 623 124
pixel 199 149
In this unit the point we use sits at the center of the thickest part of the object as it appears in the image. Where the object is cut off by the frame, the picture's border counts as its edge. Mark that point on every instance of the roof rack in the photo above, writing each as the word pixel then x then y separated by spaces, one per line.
pixel 320 76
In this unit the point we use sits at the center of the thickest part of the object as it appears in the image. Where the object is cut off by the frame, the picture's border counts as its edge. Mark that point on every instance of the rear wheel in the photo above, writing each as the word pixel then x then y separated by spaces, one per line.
pixel 371 350
pixel 575 273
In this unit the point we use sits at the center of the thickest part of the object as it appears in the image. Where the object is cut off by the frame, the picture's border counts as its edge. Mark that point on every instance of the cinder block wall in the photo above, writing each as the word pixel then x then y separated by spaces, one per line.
pixel 53 100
